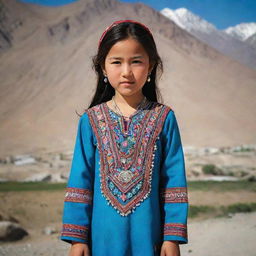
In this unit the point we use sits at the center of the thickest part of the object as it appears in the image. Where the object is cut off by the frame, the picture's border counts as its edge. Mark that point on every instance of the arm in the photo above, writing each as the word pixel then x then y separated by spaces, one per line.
pixel 174 199
pixel 78 201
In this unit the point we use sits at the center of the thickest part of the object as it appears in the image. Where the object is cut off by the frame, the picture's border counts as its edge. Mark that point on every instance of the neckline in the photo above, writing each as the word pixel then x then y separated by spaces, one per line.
pixel 131 116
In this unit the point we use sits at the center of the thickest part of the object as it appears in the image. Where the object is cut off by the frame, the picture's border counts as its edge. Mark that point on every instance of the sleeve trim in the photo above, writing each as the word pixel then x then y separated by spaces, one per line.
pixel 174 195
pixel 175 229
pixel 76 231
pixel 78 195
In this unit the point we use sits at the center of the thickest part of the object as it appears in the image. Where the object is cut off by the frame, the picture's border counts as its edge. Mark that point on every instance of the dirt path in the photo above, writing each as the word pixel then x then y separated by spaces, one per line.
pixel 221 198
pixel 213 237
pixel 36 210
pixel 222 237
pixel 46 206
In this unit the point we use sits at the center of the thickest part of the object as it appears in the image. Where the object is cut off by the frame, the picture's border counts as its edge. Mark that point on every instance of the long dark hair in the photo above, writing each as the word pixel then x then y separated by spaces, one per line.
pixel 104 91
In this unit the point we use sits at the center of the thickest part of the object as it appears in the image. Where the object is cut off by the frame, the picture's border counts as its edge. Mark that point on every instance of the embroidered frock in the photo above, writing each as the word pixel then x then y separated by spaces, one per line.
pixel 127 188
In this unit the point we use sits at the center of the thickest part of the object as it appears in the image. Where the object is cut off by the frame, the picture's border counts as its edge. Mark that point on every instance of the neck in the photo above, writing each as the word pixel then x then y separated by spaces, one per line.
pixel 133 100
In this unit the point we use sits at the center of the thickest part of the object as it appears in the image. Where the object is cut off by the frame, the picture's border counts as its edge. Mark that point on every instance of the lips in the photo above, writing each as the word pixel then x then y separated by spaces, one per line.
pixel 127 82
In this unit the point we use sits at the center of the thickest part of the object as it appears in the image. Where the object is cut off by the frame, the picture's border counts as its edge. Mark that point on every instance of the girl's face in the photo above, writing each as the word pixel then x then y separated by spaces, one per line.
pixel 127 67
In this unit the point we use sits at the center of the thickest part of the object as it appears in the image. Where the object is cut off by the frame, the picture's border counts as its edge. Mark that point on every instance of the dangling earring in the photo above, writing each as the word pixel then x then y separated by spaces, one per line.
pixel 105 79
pixel 148 78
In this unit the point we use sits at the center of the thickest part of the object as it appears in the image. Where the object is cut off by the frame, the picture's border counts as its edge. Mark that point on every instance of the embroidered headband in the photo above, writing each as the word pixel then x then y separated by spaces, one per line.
pixel 118 22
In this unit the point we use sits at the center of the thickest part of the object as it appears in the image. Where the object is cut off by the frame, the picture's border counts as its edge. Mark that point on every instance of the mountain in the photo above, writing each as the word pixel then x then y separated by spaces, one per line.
pixel 188 21
pixel 252 40
pixel 245 32
pixel 46 76
pixel 208 33
pixel 242 31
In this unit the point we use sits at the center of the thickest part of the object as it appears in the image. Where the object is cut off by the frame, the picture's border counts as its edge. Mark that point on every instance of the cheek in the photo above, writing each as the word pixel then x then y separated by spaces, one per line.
pixel 141 72
pixel 113 70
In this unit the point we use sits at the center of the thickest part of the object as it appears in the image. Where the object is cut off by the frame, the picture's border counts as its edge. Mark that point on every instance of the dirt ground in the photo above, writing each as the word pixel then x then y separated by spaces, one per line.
pixel 36 210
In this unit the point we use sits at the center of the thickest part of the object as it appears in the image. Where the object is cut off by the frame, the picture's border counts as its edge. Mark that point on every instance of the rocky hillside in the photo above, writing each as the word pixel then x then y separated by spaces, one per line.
pixel 46 75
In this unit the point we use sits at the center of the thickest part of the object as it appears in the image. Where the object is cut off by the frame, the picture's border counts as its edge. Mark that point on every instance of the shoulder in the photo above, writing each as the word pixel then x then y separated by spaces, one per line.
pixel 85 117
pixel 169 121
pixel 161 105
pixel 88 111
pixel 94 109
pixel 86 124
pixel 167 110
pixel 89 115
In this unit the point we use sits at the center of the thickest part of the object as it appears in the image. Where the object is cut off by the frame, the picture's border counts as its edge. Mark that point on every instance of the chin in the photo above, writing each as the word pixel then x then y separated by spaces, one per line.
pixel 128 92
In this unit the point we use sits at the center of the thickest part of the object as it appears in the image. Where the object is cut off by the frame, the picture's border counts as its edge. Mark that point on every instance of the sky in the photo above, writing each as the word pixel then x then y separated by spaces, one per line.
pixel 221 13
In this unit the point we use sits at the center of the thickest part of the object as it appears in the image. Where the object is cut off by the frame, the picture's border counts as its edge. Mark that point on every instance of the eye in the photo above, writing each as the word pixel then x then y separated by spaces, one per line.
pixel 118 62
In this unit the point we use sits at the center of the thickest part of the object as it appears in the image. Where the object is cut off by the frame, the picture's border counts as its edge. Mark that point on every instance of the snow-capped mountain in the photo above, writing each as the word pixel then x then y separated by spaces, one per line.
pixel 223 41
pixel 188 20
pixel 242 31
pixel 252 40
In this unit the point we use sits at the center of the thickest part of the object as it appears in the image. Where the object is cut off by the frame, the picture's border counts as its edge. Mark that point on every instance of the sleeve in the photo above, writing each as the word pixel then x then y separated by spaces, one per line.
pixel 173 183
pixel 77 210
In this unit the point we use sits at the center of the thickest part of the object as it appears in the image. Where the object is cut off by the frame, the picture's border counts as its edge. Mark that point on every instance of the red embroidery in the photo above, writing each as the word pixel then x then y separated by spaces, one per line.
pixel 174 195
pixel 127 159
pixel 75 231
pixel 175 229
pixel 78 195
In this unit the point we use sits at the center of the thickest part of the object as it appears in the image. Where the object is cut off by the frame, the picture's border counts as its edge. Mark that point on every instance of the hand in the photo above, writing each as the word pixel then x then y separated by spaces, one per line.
pixel 170 248
pixel 79 249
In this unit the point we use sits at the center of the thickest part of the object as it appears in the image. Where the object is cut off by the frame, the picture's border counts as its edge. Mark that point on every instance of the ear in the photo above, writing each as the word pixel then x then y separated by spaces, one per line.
pixel 151 66
pixel 104 71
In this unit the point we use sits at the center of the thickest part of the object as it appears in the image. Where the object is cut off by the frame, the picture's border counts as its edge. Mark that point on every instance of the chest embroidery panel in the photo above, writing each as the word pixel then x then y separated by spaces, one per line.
pixel 126 156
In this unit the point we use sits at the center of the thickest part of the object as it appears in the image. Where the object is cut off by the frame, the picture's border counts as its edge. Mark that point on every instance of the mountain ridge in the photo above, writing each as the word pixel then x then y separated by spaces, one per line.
pixel 242 31
pixel 221 40
pixel 47 78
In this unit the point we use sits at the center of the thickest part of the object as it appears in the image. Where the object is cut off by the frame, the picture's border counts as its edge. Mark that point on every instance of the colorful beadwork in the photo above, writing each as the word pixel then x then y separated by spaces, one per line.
pixel 175 229
pixel 127 157
pixel 75 231
pixel 78 195
pixel 174 195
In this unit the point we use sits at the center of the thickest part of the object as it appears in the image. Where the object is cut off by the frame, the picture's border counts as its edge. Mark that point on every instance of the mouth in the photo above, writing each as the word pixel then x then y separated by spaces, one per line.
pixel 127 83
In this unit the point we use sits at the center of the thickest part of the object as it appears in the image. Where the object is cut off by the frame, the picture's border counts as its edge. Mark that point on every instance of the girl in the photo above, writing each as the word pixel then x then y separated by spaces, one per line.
pixel 127 190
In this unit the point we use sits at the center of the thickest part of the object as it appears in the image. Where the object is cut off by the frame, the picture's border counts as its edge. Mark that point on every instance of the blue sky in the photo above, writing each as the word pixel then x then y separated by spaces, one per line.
pixel 221 13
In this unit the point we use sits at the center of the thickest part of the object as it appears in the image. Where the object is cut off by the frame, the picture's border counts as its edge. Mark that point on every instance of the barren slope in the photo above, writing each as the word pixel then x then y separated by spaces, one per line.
pixel 46 76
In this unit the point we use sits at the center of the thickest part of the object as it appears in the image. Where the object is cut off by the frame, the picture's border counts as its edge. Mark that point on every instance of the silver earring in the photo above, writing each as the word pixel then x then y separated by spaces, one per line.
pixel 148 78
pixel 105 79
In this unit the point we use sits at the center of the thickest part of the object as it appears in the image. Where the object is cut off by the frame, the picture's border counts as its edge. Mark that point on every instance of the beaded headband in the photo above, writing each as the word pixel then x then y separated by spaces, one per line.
pixel 118 22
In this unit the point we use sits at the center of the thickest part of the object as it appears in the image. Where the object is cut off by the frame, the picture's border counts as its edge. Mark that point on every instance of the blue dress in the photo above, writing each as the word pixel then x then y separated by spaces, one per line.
pixel 127 188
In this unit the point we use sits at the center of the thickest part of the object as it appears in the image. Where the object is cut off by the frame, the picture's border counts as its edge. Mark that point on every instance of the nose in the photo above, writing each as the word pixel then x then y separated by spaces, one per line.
pixel 126 69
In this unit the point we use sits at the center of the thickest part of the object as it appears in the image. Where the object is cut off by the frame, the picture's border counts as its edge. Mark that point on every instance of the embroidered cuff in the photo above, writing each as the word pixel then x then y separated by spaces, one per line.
pixel 174 195
pixel 78 195
pixel 71 232
pixel 175 231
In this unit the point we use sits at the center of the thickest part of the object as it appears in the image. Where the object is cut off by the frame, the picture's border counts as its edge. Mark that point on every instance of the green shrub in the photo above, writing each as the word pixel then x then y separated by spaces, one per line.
pixel 210 169
pixel 220 211
pixel 30 186
pixel 195 210
pixel 218 186
pixel 239 207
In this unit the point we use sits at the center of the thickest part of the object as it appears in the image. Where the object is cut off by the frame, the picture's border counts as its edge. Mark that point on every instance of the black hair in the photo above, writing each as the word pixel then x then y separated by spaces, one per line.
pixel 104 91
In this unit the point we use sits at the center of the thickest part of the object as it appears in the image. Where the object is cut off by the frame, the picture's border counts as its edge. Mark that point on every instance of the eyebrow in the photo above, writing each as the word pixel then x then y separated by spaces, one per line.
pixel 119 58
